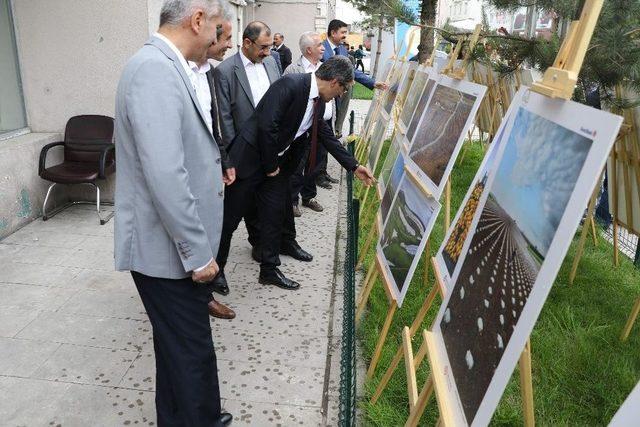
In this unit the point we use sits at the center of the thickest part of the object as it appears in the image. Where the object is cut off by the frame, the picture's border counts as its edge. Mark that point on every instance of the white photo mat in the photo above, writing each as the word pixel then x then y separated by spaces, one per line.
pixel 587 122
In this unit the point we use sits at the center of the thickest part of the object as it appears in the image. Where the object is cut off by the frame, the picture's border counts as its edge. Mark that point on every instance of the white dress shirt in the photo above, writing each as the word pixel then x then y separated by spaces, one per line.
pixel 307 119
pixel 193 79
pixel 310 68
pixel 257 76
pixel 203 91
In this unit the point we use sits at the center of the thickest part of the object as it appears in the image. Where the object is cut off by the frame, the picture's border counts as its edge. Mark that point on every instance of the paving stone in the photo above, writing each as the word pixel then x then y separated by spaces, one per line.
pixel 23 357
pixel 86 365
pixel 141 375
pixel 106 304
pixel 78 329
pixel 104 280
pixel 35 274
pixel 49 238
pixel 33 297
pixel 268 414
pixel 13 320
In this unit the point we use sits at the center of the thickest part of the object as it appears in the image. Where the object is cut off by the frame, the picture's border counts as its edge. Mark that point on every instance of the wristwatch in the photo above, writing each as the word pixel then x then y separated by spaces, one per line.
pixel 355 167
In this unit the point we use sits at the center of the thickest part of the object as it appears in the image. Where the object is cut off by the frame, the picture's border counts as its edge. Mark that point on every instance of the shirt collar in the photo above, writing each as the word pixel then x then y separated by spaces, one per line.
pixel 313 91
pixel 199 69
pixel 308 66
pixel 175 50
pixel 333 46
pixel 278 47
pixel 245 61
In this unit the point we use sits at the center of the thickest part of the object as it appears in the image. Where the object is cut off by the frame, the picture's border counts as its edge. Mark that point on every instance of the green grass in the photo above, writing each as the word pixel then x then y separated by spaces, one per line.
pixel 361 92
pixel 581 371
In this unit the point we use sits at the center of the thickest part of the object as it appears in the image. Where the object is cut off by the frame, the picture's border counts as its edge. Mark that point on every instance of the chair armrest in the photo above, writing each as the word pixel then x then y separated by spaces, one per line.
pixel 103 159
pixel 43 155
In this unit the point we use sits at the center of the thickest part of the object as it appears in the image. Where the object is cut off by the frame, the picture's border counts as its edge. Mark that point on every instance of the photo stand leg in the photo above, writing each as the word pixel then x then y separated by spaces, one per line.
pixel 415 327
pixel 583 235
pixel 393 306
pixel 417 402
pixel 631 320
pixel 447 205
pixel 369 280
pixel 526 386
pixel 367 244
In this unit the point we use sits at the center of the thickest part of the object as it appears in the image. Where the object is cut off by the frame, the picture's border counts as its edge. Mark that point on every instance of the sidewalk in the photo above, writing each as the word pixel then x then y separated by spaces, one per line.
pixel 76 347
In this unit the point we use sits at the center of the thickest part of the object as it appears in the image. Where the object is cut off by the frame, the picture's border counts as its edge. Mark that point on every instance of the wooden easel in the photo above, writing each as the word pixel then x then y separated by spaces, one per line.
pixel 558 82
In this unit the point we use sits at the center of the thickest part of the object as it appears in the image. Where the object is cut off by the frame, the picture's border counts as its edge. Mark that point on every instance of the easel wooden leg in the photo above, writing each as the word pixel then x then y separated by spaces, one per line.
pixel 367 244
pixel 381 340
pixel 417 322
pixel 583 235
pixel 616 254
pixel 427 257
pixel 526 386
pixel 631 320
pixel 447 205
pixel 365 196
pixel 421 404
pixel 593 231
pixel 369 280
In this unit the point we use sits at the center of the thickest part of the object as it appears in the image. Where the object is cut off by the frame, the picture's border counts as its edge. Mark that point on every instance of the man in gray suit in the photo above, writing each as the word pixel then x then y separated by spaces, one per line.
pixel 169 204
pixel 241 80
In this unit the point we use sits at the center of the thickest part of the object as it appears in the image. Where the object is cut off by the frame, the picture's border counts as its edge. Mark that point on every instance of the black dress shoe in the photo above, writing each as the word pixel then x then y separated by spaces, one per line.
pixel 324 184
pixel 331 179
pixel 219 284
pixel 296 252
pixel 225 419
pixel 277 278
pixel 256 255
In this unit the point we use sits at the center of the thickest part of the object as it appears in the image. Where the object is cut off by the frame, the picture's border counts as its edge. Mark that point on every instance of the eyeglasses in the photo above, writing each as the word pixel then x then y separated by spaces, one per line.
pixel 345 87
pixel 266 47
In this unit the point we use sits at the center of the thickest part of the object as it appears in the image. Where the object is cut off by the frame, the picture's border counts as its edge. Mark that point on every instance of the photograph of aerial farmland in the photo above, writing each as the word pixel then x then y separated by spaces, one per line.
pixel 394 86
pixel 417 87
pixel 440 130
pixel 409 221
pixel 397 172
pixel 377 141
pixel 534 181
pixel 417 115
pixel 389 161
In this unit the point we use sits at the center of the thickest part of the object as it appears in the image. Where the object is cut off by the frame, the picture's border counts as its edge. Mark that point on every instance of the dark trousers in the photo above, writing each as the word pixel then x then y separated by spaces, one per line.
pixel 359 63
pixel 303 181
pixel 187 391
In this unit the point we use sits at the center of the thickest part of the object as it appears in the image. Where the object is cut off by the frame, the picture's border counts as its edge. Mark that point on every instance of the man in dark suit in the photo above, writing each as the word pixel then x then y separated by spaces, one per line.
pixel 283 51
pixel 271 145
pixel 241 81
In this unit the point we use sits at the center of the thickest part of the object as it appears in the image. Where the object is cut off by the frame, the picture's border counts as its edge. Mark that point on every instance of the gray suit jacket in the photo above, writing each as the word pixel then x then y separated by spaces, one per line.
pixel 169 189
pixel 298 68
pixel 235 101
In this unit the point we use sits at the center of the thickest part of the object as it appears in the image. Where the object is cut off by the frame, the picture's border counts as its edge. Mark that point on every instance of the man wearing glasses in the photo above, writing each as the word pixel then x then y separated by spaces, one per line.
pixel 241 81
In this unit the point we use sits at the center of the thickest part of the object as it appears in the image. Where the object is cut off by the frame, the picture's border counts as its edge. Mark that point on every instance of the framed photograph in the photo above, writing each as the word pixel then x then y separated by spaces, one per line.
pixel 415 91
pixel 406 83
pixel 390 159
pixel 443 129
pixel 629 412
pixel 405 233
pixel 377 141
pixel 397 75
pixel 423 100
pixel 397 172
pixel 552 154
pixel 448 255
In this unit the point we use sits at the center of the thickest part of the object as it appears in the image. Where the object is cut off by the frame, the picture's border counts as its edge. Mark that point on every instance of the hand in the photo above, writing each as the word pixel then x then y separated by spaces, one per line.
pixel 206 274
pixel 229 176
pixel 364 174
pixel 381 85
pixel 274 173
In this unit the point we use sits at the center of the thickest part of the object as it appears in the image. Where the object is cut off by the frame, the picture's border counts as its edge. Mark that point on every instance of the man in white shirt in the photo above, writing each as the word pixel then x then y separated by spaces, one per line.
pixel 303 181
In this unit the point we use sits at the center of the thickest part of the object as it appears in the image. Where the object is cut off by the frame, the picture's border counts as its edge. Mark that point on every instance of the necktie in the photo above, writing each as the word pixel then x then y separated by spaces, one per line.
pixel 336 50
pixel 314 136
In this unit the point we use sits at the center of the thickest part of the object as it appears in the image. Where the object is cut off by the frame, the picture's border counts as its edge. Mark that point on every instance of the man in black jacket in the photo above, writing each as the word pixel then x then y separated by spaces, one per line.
pixel 270 147
pixel 282 50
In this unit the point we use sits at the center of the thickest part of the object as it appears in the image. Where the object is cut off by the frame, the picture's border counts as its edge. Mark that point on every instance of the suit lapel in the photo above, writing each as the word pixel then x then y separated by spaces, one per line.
pixel 304 99
pixel 242 78
pixel 164 48
pixel 272 72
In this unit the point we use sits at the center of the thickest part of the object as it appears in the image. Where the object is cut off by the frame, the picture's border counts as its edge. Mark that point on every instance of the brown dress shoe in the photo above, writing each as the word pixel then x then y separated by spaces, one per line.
pixel 220 311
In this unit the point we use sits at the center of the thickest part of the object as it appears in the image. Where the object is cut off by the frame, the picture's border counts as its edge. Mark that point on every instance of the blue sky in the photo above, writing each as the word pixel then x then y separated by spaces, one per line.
pixel 537 175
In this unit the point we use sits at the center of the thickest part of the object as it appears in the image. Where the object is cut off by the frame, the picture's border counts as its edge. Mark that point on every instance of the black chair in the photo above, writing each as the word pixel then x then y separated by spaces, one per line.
pixel 89 155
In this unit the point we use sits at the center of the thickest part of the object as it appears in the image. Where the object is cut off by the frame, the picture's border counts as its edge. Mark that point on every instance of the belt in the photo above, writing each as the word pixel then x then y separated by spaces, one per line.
pixel 306 135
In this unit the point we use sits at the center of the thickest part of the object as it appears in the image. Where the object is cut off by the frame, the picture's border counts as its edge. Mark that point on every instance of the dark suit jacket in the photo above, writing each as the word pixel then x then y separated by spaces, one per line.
pixel 285 56
pixel 224 156
pixel 235 101
pixel 360 77
pixel 273 127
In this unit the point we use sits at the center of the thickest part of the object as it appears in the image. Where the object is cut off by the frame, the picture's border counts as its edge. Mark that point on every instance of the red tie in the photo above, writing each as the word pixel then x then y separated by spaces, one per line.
pixel 314 135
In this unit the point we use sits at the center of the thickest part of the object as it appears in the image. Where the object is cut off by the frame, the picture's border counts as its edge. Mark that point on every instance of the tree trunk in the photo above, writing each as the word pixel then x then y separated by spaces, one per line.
pixel 427 17
pixel 379 48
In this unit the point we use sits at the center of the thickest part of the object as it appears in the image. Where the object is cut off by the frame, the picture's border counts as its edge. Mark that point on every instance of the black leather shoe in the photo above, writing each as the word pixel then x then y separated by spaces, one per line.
pixel 296 252
pixel 225 419
pixel 256 255
pixel 324 184
pixel 331 179
pixel 277 278
pixel 219 284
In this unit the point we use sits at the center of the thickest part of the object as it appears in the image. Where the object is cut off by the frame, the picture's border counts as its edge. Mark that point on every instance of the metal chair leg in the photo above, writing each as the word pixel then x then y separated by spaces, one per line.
pixel 103 221
pixel 44 205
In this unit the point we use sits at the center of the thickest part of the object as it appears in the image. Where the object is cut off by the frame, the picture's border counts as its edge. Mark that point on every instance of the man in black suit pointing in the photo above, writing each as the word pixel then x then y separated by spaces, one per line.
pixel 270 146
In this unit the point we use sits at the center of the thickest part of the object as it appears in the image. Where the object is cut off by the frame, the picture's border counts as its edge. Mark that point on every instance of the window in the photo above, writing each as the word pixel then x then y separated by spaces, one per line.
pixel 12 114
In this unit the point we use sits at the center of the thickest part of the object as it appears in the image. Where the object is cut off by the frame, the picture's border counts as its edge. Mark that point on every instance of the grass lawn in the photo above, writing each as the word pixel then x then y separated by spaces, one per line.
pixel 581 371
pixel 361 92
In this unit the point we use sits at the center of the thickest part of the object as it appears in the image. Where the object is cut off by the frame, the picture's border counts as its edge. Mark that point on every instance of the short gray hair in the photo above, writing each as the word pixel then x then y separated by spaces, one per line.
pixel 174 12
pixel 306 40
pixel 337 67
